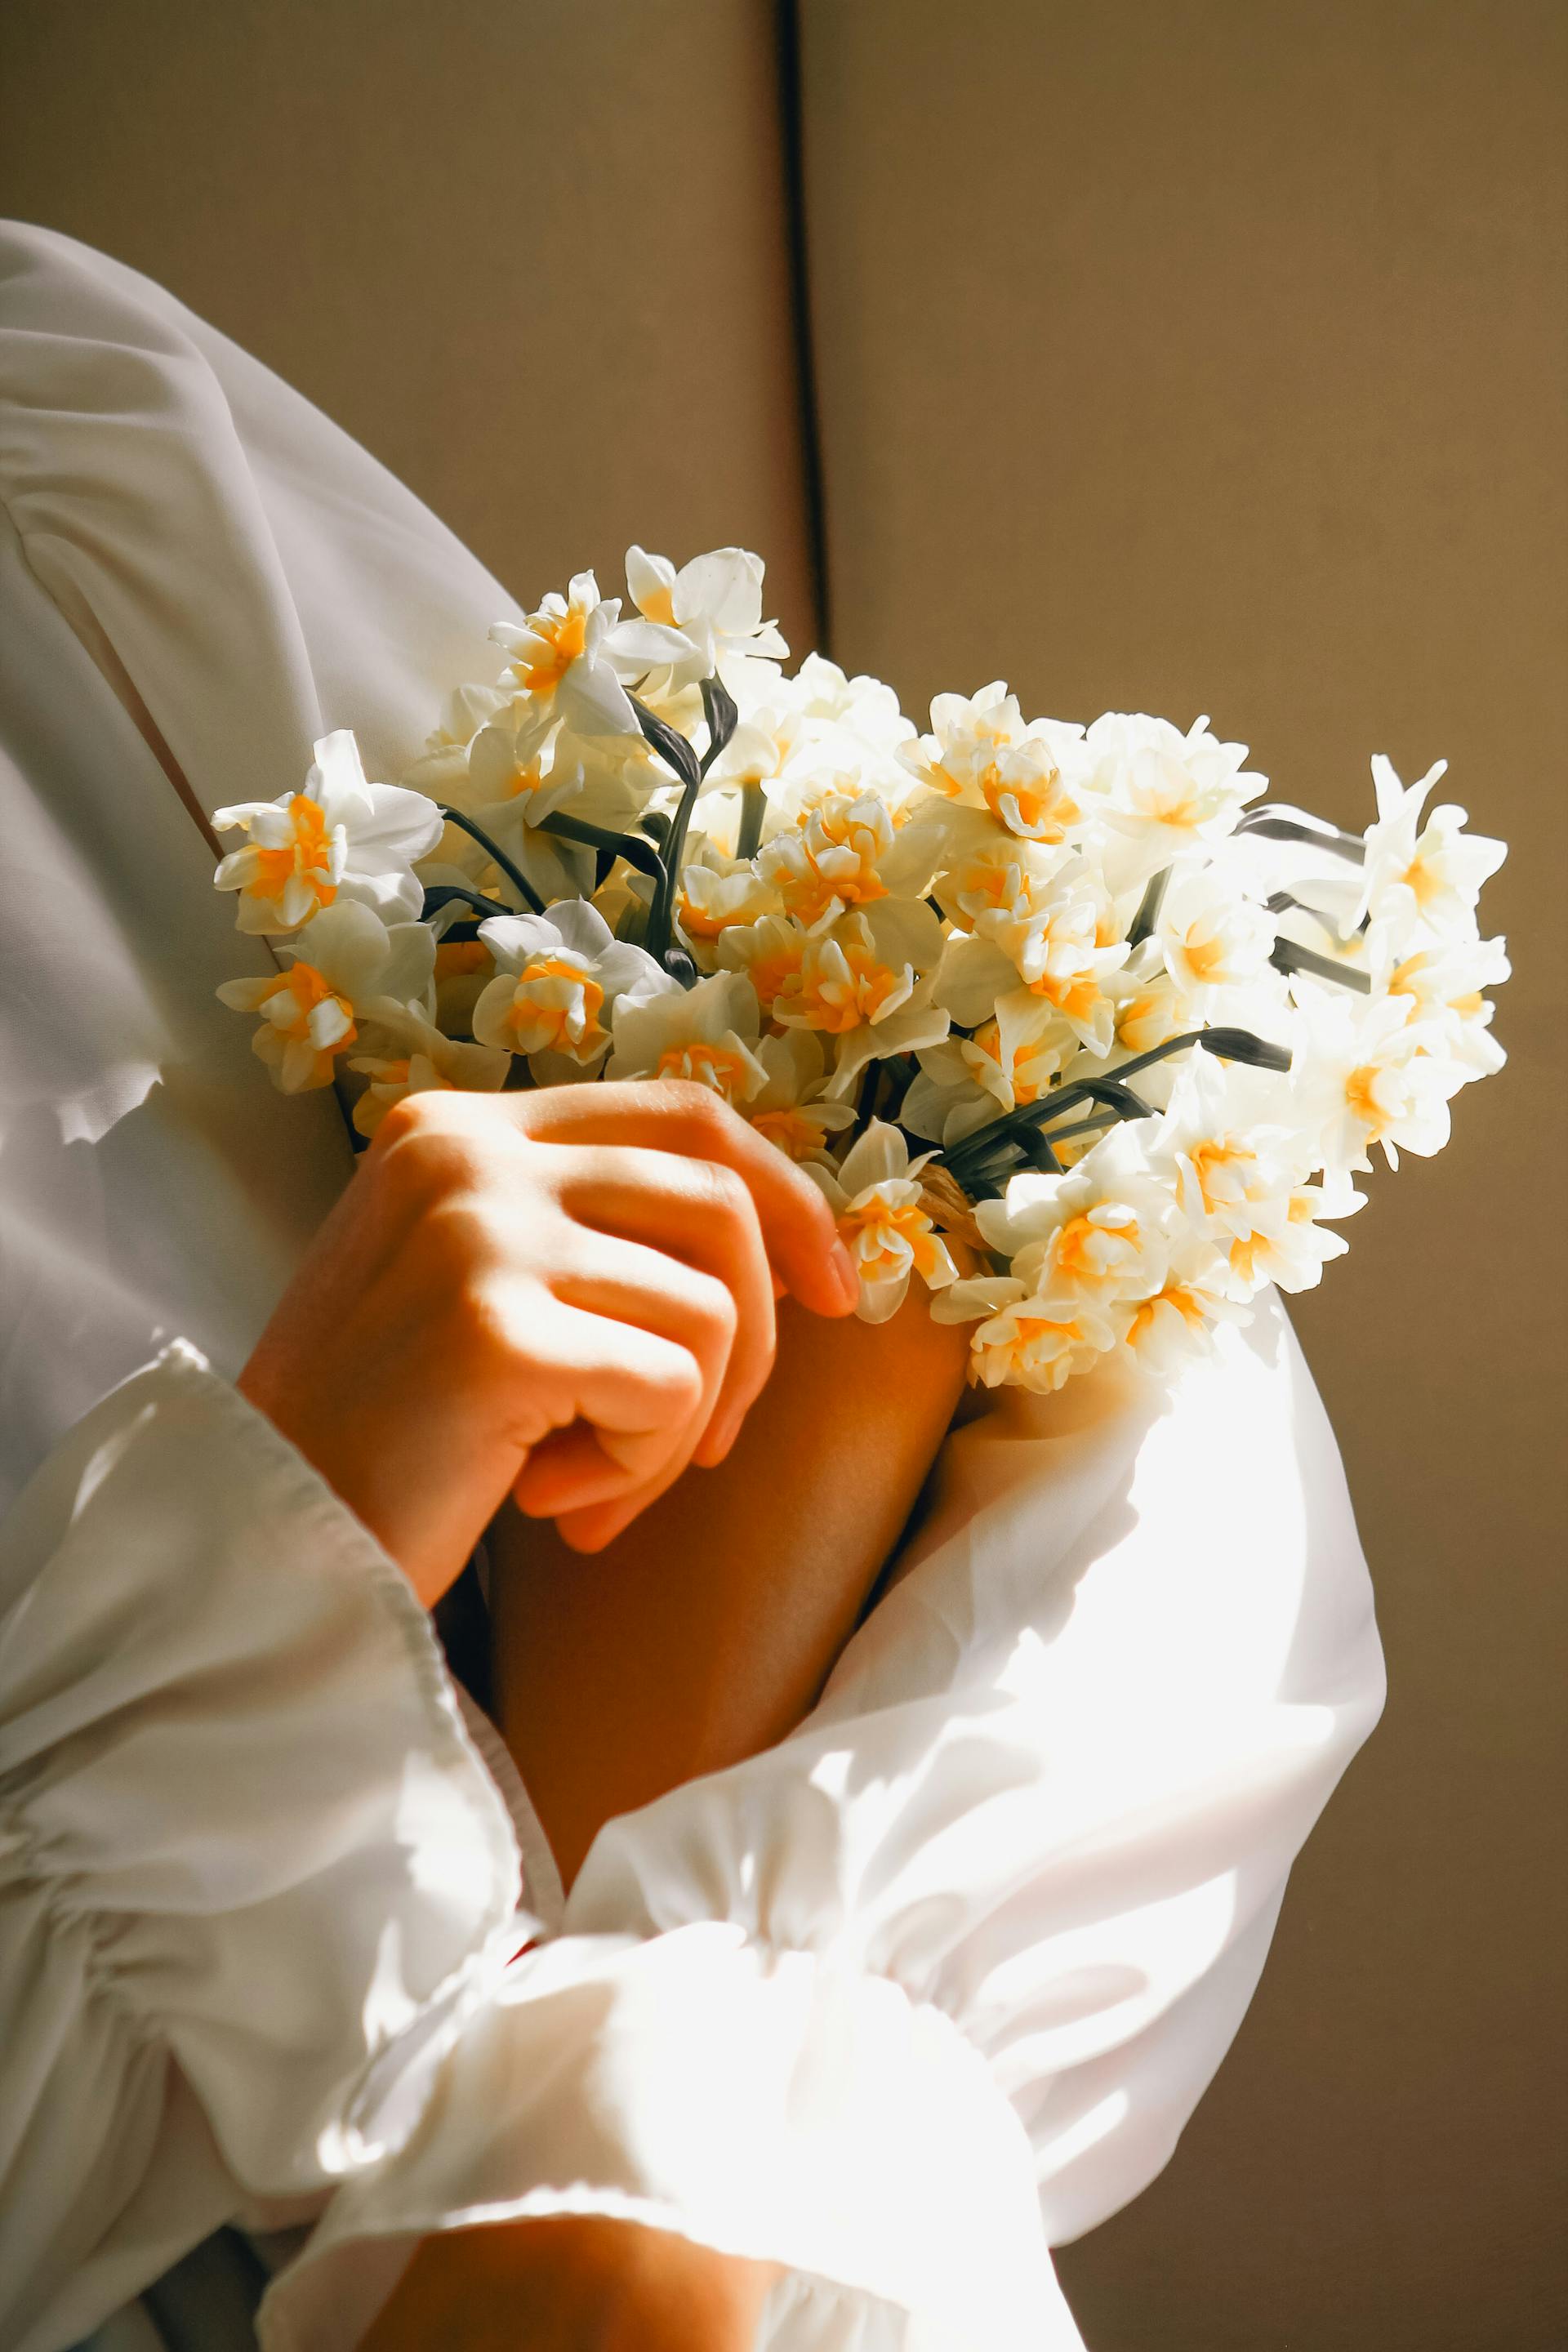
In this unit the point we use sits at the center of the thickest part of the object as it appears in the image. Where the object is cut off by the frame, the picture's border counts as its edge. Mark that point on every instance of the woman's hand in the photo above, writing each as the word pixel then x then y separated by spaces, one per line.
pixel 566 1294
pixel 574 2283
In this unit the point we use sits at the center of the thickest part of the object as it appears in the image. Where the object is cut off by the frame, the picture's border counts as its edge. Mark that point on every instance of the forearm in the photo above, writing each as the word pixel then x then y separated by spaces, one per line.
pixel 574 2282
pixel 704 1633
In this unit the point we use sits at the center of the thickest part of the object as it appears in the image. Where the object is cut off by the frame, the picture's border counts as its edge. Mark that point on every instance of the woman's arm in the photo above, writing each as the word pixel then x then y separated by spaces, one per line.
pixel 703 1633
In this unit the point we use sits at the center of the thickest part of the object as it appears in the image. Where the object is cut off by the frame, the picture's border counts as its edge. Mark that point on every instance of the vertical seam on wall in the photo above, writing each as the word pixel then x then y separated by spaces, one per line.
pixel 791 140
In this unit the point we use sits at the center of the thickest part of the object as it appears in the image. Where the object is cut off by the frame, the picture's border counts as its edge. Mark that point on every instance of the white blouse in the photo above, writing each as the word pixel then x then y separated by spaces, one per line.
pixel 928 1986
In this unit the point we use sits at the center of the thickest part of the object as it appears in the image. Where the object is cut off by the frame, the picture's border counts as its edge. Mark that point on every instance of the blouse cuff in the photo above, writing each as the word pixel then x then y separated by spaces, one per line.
pixel 236 1785
pixel 759 2101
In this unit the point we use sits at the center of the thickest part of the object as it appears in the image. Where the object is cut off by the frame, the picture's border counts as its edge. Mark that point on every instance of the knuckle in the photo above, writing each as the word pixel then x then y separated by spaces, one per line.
pixel 697 1106
pixel 720 1189
pixel 715 1304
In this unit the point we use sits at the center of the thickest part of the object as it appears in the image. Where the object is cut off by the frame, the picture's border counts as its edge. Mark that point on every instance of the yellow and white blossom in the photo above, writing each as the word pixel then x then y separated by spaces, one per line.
pixel 1211 936
pixel 1009 1061
pixel 1051 942
pixel 442 766
pixel 715 604
pixel 570 658
pixel 1290 1245
pixel 791 1109
pixel 1428 880
pixel 1371 1075
pixel 520 775
pixel 1025 1340
pixel 1443 986
pixel 348 967
pixel 861 707
pixel 876 1199
pixel 863 982
pixel 771 952
pixel 1035 779
pixel 1101 1233
pixel 409 1055
pixel 1227 1148
pixel 845 849
pixel 707 1033
pixel 1179 1319
pixel 558 978
pixel 718 894
pixel 340 835
pixel 1169 796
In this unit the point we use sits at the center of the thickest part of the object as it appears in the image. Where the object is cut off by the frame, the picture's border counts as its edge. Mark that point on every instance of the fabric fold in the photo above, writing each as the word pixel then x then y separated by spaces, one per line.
pixel 254 1872
pixel 756 2101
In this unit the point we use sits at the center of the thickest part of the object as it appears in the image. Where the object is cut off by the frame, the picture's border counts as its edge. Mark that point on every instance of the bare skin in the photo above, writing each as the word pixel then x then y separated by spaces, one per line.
pixel 572 2283
pixel 704 1633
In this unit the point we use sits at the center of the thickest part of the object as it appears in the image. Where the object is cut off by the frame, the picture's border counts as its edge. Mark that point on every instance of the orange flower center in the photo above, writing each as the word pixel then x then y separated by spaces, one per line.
pixel 307 858
pixel 562 640
pixel 836 1002
pixel 795 1134
pixel 721 1068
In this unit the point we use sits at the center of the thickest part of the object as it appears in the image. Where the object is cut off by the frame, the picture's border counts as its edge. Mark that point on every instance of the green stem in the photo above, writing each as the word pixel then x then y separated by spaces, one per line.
pixel 629 845
pixel 524 890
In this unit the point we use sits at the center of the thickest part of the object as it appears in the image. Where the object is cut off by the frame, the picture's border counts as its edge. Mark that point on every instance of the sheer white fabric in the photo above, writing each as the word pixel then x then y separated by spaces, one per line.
pixel 930 1986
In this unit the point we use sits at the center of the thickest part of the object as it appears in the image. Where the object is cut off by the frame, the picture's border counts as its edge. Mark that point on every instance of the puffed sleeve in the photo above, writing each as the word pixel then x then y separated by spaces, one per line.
pixel 936 1982
pixel 253 1874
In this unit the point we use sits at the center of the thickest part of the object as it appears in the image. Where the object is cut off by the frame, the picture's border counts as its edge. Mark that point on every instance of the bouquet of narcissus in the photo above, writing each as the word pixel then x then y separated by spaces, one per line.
pixel 1071 1026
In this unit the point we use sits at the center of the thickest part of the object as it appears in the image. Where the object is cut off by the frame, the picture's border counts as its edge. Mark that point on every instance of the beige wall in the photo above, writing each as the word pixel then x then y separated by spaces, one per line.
pixel 1191 355
pixel 1210 355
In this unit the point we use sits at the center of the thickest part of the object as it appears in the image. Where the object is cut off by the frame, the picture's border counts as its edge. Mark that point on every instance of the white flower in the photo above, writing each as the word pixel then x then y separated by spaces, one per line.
pixel 876 1200
pixel 1212 937
pixel 968 1082
pixel 1430 879
pixel 989 872
pixel 715 604
pixel 570 656
pixel 862 706
pixel 1169 794
pixel 1033 779
pixel 791 1110
pixel 707 1033
pixel 718 894
pixel 1227 1146
pixel 519 776
pixel 356 968
pixel 1289 1245
pixel 1442 985
pixel 1149 1009
pixel 846 850
pixel 443 764
pixel 1052 938
pixel 558 977
pixel 770 951
pixel 860 982
pixel 1023 1341
pixel 340 836
pixel 1098 1234
pixel 1370 1075
pixel 410 1056
pixel 1179 1319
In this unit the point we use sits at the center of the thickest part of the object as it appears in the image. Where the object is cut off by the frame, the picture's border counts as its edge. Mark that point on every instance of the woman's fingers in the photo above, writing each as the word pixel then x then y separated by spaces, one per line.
pixel 691 1121
pixel 682 1249
pixel 644 1392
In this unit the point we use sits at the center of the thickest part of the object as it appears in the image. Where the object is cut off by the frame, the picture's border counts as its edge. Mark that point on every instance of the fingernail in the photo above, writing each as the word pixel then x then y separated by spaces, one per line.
pixel 843 1265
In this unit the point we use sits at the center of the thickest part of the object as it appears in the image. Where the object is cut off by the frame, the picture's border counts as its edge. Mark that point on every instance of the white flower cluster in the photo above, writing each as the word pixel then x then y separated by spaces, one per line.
pixel 1143 1027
